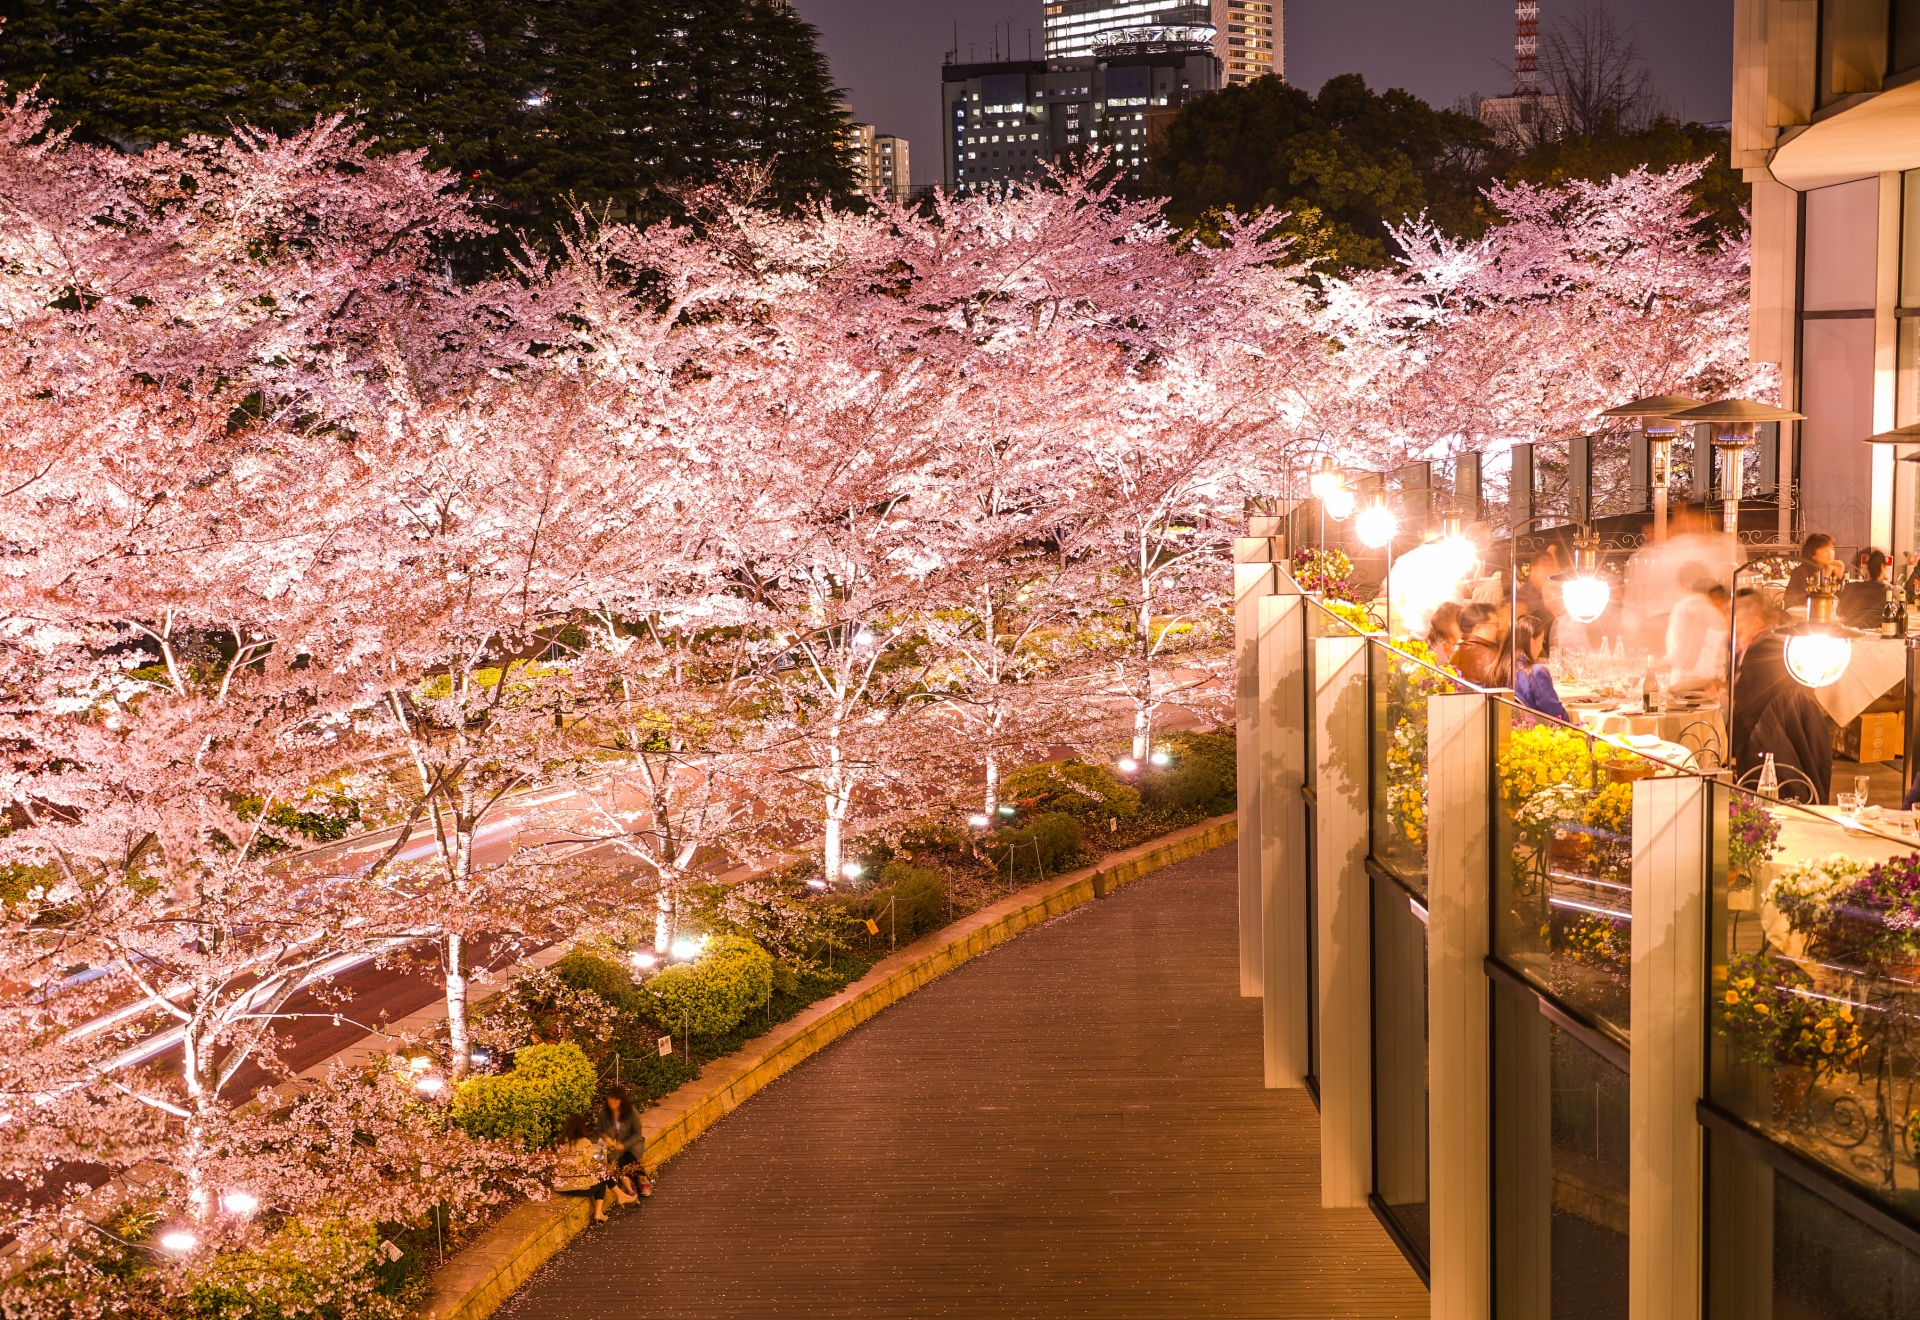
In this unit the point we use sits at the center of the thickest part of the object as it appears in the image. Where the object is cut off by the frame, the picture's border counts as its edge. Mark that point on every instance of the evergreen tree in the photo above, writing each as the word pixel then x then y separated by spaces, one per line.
pixel 535 104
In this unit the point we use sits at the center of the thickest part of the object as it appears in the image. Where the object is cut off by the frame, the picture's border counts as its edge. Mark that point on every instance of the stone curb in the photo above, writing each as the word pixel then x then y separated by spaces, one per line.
pixel 482 1276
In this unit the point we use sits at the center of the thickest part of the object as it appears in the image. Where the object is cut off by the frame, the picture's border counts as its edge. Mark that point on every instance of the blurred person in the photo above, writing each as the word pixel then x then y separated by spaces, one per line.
pixel 1657 575
pixel 1481 656
pixel 1696 654
pixel 1443 631
pixel 1773 712
pixel 1753 615
pixel 1539 592
pixel 1817 559
pixel 617 1125
pixel 1907 583
pixel 1862 603
pixel 1532 683
pixel 581 1169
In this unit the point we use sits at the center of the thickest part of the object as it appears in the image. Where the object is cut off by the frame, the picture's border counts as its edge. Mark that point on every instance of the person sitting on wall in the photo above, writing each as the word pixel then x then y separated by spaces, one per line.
pixel 1532 684
pixel 1773 712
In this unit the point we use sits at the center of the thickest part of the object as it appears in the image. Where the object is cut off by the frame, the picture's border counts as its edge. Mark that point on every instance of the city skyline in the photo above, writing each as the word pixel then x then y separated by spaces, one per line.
pixel 887 56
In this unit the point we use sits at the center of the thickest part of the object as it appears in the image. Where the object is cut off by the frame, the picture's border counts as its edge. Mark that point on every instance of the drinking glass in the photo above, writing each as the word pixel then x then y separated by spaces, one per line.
pixel 1862 791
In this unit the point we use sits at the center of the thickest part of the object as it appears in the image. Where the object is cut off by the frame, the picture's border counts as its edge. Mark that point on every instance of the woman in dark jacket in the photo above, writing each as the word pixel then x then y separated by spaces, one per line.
pixel 617 1123
pixel 1772 712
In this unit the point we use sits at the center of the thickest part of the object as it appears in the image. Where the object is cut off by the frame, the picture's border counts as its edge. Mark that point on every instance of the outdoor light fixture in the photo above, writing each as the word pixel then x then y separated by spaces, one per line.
pixel 1128 765
pixel 979 820
pixel 1733 421
pixel 179 1240
pixel 1377 524
pixel 1006 810
pixel 429 1085
pixel 684 948
pixel 1585 592
pixel 644 960
pixel 851 870
pixel 1655 417
pixel 1339 502
pixel 420 1064
pixel 239 1203
pixel 1818 653
pixel 1323 478
pixel 863 638
pixel 816 884
pixel 1161 758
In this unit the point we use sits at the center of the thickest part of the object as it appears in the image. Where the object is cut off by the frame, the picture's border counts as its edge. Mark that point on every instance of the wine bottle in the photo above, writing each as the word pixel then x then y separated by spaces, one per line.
pixel 1892 615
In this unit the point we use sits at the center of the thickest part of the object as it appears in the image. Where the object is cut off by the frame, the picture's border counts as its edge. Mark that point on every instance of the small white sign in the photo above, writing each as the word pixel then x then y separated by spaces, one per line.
pixel 666 1044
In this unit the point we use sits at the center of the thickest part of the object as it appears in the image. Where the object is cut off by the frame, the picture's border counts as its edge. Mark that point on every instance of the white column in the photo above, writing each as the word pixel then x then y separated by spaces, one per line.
pixel 1252 579
pixel 1283 833
pixel 1458 879
pixel 1346 1068
pixel 1886 298
pixel 1672 833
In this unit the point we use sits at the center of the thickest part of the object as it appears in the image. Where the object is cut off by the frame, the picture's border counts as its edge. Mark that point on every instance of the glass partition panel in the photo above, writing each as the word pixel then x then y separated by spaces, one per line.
pixel 1560 1205
pixel 1777 1251
pixel 1400 1061
pixel 1400 679
pixel 1815 986
pixel 1563 859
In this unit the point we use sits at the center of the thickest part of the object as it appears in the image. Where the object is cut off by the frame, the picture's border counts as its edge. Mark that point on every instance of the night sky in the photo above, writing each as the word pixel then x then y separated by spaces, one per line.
pixel 887 53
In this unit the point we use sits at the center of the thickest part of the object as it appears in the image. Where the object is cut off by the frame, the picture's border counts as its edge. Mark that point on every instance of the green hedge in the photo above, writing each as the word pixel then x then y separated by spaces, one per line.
pixel 712 993
pixel 1200 779
pixel 918 895
pixel 601 976
pixel 304 1271
pixel 1046 846
pixel 1090 792
pixel 527 1105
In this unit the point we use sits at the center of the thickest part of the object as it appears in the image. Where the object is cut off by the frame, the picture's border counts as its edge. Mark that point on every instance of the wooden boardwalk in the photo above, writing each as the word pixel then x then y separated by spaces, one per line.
pixel 1070 1125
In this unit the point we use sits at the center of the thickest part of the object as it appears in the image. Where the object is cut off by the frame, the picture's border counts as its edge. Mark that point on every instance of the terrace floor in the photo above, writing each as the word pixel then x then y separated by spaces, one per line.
pixel 1071 1125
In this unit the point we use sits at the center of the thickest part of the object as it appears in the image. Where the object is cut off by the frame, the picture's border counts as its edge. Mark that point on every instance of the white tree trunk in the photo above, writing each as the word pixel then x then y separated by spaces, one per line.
pixel 993 781
pixel 830 851
pixel 1142 731
pixel 663 919
pixel 457 1047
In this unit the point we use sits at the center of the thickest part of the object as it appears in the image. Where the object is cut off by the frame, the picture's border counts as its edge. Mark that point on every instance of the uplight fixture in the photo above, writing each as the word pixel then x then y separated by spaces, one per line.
pixel 429 1085
pixel 851 870
pixel 1128 765
pixel 179 1240
pixel 239 1203
pixel 979 820
pixel 644 960
pixel 1161 758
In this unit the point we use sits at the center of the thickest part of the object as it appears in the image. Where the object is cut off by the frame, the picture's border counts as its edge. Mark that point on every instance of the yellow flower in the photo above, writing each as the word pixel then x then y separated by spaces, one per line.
pixel 1760 1008
pixel 1733 996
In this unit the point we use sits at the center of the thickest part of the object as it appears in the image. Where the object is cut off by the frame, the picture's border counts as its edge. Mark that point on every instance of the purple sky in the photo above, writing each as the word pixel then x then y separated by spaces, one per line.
pixel 887 53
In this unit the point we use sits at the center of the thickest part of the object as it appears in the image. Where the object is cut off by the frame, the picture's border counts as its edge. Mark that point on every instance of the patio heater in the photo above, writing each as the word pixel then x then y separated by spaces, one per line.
pixel 1733 421
pixel 1654 417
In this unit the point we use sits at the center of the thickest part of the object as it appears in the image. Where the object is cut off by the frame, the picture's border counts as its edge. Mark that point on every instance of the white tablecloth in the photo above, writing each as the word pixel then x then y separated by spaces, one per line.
pixel 1668 727
pixel 1878 666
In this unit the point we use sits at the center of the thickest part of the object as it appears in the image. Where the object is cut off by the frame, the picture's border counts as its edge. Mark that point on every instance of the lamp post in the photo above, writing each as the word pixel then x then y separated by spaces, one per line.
pixel 1733 421
pixel 1654 416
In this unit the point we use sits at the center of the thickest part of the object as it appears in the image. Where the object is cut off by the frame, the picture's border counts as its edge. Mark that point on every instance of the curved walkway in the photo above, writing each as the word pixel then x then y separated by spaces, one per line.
pixel 1070 1125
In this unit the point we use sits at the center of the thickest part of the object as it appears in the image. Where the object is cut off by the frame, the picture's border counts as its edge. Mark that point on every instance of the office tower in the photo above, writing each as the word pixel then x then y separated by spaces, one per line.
pixel 892 170
pixel 1251 38
pixel 1005 121
pixel 860 154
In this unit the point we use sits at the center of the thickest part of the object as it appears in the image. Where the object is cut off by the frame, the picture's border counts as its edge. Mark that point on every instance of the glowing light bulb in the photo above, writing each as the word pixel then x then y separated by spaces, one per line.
pixel 644 960
pixel 1322 479
pixel 979 820
pixel 1006 810
pixel 1376 525
pixel 1161 758
pixel 179 1240
pixel 863 638
pixel 816 884
pixel 852 870
pixel 239 1203
pixel 1128 765
pixel 420 1064
pixel 1586 597
pixel 684 948
pixel 429 1086
pixel 1339 504
pixel 1817 659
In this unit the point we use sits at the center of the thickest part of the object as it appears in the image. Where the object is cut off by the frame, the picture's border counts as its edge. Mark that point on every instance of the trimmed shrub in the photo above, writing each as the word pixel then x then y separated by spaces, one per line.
pixel 918 895
pixel 1048 843
pixel 600 976
pixel 1201 778
pixel 527 1105
pixel 715 991
pixel 1090 792
pixel 329 1270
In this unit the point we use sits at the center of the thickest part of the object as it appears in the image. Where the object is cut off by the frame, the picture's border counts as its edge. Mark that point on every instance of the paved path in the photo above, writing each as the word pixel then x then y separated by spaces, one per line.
pixel 1070 1125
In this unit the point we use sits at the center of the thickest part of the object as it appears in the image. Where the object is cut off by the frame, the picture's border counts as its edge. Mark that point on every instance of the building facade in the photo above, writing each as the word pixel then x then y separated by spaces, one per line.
pixel 892 176
pixel 1006 121
pixel 1826 127
pixel 1250 39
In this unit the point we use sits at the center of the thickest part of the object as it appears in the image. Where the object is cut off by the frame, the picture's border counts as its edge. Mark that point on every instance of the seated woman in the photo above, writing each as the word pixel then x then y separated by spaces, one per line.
pixel 1863 602
pixel 1481 657
pixel 1443 631
pixel 1532 684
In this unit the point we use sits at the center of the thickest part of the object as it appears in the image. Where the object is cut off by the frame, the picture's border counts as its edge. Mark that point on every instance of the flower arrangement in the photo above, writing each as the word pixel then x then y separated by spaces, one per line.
pixel 1546 755
pixel 1769 1008
pixel 1611 809
pixel 1753 837
pixel 1598 942
pixel 1353 614
pixel 1324 571
pixel 1413 675
pixel 1805 890
pixel 1876 918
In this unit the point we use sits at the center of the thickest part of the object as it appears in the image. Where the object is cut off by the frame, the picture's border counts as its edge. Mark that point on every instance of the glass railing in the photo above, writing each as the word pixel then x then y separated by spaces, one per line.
pixel 1400 679
pixel 1814 994
pixel 1563 858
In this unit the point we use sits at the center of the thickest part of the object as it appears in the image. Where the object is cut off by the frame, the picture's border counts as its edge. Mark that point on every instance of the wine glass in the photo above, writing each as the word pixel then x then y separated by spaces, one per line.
pixel 1862 791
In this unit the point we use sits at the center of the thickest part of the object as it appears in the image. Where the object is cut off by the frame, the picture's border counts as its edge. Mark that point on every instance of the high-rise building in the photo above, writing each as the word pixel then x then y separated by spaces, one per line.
pixel 860 153
pixel 892 169
pixel 1250 38
pixel 1005 121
